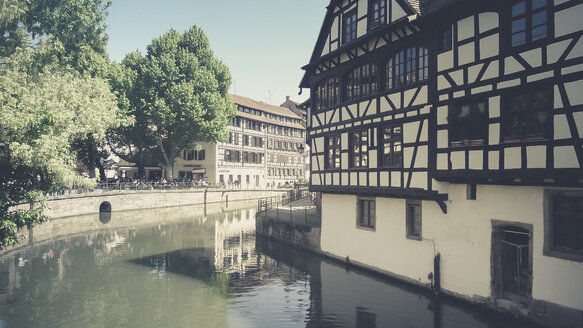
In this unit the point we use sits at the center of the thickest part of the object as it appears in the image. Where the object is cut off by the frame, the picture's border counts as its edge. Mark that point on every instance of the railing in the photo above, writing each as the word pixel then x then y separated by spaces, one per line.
pixel 281 208
pixel 137 186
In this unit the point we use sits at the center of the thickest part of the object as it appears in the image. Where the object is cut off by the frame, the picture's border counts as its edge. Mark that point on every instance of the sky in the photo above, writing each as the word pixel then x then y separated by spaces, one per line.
pixel 263 42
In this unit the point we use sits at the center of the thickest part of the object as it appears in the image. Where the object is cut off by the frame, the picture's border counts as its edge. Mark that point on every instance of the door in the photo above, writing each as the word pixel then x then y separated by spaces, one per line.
pixel 512 262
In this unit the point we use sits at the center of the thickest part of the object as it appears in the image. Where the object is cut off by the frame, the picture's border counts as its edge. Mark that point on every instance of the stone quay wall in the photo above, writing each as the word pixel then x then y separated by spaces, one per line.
pixel 303 237
pixel 84 204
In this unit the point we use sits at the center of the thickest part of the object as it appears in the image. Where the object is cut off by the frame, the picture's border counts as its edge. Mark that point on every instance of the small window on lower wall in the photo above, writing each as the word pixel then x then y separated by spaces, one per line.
pixel 366 213
pixel 564 225
pixel 413 213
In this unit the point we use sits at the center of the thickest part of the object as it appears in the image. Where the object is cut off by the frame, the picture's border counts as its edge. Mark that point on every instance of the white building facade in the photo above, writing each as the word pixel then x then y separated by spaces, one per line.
pixel 265 149
pixel 446 142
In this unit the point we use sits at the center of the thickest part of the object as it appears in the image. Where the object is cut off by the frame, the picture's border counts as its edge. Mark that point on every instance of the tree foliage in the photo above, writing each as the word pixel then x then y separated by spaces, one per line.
pixel 78 25
pixel 52 95
pixel 41 113
pixel 178 94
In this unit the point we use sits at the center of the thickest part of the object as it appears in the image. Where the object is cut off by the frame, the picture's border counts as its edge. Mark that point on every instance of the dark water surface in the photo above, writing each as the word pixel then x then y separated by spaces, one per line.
pixel 206 272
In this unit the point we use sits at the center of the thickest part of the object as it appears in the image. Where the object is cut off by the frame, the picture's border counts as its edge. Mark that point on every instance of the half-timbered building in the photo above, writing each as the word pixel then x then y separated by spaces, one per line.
pixel 446 140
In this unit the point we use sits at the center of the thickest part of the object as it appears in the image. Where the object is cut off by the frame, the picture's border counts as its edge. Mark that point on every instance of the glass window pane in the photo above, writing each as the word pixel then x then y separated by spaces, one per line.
pixel 518 39
pixel 519 9
pixel 538 4
pixel 539 32
pixel 539 18
pixel 518 25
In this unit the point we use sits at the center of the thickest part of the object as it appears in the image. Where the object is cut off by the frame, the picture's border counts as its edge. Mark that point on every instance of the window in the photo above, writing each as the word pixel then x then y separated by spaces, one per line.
pixel 564 225
pixel 471 191
pixel 413 213
pixel 407 67
pixel 468 123
pixel 527 115
pixel 365 216
pixel 201 155
pixel 377 14
pixel 444 39
pixel 189 155
pixel 232 156
pixel 236 121
pixel 245 140
pixel 359 149
pixel 349 27
pixel 333 152
pixel 392 143
pixel 361 82
pixel 529 21
pixel 326 93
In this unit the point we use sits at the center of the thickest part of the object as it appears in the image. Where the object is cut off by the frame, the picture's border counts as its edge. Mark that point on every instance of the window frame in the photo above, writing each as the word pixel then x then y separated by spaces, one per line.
pixel 445 40
pixel 527 15
pixel 406 67
pixel 413 221
pixel 367 222
pixel 391 140
pixel 358 146
pixel 333 149
pixel 349 19
pixel 361 82
pixel 549 248
pixel 530 111
pixel 327 93
pixel 380 11
pixel 464 125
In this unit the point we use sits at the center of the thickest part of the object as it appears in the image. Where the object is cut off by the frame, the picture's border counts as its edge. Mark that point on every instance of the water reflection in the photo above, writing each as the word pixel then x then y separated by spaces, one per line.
pixel 205 271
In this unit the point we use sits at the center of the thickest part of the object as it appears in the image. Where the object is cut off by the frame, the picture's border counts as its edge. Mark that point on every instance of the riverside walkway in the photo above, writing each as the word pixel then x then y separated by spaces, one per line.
pixel 300 212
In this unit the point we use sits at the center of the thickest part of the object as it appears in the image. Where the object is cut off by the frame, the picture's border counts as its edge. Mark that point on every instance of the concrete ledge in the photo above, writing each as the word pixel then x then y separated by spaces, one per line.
pixel 84 204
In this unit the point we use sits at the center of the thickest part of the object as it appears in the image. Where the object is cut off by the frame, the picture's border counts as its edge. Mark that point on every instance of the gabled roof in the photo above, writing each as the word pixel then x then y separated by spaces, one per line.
pixel 419 7
pixel 250 103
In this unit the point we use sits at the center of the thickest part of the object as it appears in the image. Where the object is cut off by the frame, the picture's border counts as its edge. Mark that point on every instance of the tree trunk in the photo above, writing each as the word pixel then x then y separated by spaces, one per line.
pixel 169 171
pixel 169 163
pixel 102 176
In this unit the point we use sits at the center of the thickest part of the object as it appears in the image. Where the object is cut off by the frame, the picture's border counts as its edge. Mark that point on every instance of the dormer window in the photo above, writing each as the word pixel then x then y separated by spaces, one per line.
pixel 377 14
pixel 349 26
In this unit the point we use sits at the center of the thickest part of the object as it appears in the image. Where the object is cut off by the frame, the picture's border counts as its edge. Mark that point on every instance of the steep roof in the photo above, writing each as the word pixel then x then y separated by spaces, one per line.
pixel 250 103
pixel 427 7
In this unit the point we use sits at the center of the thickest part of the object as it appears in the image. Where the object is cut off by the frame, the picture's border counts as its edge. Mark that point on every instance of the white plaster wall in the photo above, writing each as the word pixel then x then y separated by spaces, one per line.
pixel 463 237
pixel 382 248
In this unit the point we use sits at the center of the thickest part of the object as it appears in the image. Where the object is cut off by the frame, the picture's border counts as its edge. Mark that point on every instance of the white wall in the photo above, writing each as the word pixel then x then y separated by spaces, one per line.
pixel 463 237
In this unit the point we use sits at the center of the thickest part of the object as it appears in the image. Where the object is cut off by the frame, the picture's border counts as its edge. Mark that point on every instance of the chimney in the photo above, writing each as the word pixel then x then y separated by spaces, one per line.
pixel 286 98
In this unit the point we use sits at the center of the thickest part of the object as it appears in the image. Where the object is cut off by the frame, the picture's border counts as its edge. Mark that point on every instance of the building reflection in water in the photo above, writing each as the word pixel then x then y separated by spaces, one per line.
pixel 214 270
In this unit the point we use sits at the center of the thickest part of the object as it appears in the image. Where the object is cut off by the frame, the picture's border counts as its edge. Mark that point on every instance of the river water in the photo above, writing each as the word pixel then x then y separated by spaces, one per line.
pixel 202 271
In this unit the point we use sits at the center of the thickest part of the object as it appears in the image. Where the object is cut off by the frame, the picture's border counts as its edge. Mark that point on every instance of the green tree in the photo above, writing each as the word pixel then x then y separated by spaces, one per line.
pixel 41 112
pixel 178 95
pixel 78 27
pixel 135 143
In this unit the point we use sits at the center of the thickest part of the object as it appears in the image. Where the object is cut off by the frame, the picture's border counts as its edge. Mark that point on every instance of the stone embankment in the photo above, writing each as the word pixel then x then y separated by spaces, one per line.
pixel 296 223
pixel 128 200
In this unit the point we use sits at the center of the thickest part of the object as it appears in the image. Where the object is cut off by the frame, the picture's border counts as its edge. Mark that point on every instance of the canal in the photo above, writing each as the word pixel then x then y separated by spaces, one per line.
pixel 205 271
